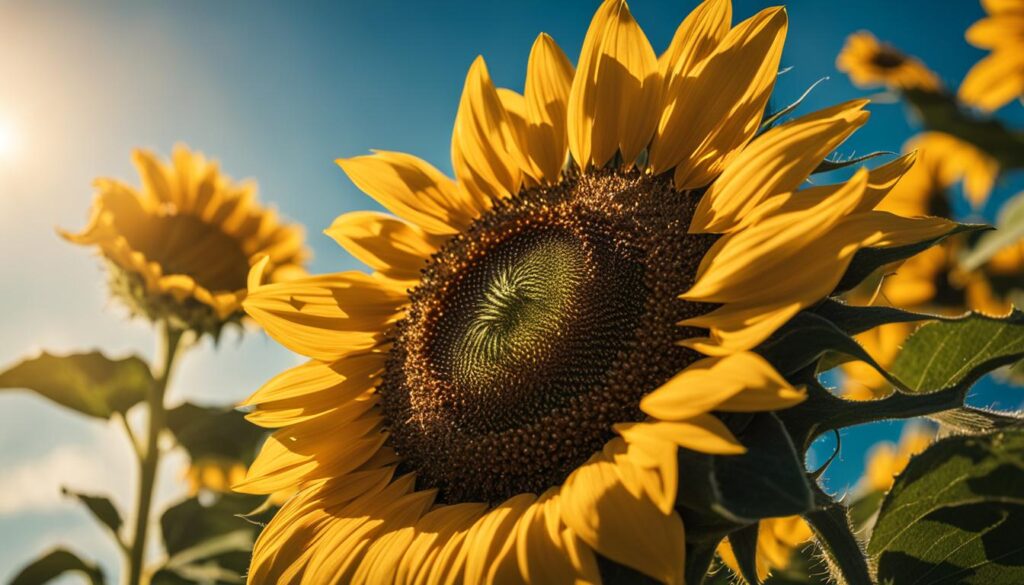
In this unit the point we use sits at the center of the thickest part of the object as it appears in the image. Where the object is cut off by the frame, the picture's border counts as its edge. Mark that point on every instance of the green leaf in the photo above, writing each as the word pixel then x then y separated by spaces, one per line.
pixel 867 260
pixel 956 514
pixel 841 549
pixel 766 481
pixel 852 319
pixel 1009 230
pixel 89 383
pixel 214 432
pixel 54 564
pixel 943 354
pixel 940 111
pixel 102 508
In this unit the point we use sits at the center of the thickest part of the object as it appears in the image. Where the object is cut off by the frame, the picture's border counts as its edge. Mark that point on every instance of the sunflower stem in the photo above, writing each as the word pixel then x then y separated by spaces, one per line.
pixel 149 457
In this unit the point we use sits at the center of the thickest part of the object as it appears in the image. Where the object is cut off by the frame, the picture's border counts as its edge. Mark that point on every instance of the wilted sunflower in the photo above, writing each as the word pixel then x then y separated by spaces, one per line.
pixel 871 63
pixel 180 247
pixel 999 77
pixel 503 398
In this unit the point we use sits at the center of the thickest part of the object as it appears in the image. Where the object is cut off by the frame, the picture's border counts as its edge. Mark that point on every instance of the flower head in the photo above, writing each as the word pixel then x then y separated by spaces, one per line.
pixel 180 247
pixel 503 397
pixel 871 63
pixel 998 78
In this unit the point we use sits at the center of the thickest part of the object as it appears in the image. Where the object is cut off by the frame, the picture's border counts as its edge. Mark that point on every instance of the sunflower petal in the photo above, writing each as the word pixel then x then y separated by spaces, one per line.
pixel 697 38
pixel 549 77
pixel 394 248
pixel 614 96
pixel 703 433
pixel 715 109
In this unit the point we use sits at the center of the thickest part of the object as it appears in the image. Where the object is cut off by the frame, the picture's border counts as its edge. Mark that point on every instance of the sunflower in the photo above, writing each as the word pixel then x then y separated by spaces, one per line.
pixel 871 63
pixel 180 248
pixel 998 78
pixel 886 461
pixel 777 540
pixel 503 397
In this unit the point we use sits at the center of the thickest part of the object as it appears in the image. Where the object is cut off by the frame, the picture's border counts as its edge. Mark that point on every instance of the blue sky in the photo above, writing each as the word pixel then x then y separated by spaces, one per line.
pixel 276 92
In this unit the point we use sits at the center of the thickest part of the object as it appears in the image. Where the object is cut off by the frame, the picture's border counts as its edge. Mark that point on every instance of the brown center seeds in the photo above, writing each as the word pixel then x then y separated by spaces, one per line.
pixel 537 329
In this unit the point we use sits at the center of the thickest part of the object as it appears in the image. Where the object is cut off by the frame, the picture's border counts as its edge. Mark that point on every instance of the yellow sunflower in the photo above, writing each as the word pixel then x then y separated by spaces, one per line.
pixel 777 540
pixel 998 78
pixel 886 461
pixel 871 63
pixel 502 399
pixel 180 247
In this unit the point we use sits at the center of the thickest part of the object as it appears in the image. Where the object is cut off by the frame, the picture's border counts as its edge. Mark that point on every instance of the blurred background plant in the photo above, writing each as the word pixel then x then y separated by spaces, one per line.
pixel 177 252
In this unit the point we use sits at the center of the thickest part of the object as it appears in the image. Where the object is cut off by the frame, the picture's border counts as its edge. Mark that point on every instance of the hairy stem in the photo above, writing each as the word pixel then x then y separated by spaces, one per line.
pixel 150 456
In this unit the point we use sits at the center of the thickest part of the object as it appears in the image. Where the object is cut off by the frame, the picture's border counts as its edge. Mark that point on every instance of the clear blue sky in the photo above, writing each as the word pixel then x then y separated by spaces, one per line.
pixel 276 92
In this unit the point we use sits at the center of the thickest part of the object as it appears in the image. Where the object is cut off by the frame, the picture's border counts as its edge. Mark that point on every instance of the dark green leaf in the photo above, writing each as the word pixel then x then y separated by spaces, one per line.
pixel 54 564
pixel 1009 230
pixel 214 432
pixel 868 260
pixel 970 420
pixel 942 354
pixel 956 514
pixel 836 541
pixel 940 111
pixel 766 481
pixel 192 530
pixel 90 383
pixel 863 509
pixel 853 320
pixel 102 508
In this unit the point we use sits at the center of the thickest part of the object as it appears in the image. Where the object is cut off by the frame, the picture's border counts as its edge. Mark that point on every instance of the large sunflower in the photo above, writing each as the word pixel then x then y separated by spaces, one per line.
pixel 180 248
pixel 503 398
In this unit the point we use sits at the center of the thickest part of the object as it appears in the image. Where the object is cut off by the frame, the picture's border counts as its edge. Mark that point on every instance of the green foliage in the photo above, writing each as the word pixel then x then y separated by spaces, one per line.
pixel 54 564
pixel 943 354
pixel 839 546
pixel 89 383
pixel 956 514
pixel 102 508
pixel 1009 230
pixel 208 543
pixel 214 432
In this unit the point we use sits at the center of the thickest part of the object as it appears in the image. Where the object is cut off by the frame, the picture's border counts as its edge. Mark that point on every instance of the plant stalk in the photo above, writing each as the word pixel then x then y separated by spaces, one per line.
pixel 150 457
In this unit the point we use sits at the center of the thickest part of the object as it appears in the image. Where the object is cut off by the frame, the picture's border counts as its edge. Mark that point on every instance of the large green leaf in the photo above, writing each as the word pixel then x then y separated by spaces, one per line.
pixel 956 514
pixel 54 564
pixel 214 432
pixel 189 523
pixel 101 507
pixel 89 383
pixel 943 354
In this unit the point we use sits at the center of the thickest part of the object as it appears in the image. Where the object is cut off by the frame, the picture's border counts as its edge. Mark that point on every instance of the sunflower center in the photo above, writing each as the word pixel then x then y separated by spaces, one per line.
pixel 537 329
pixel 887 58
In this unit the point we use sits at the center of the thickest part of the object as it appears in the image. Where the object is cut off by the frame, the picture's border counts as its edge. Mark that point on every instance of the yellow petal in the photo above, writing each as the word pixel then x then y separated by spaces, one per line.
pixel 741 329
pixel 776 162
pixel 614 96
pixel 413 190
pixel 326 317
pixel 432 532
pixel 485 154
pixel 394 248
pixel 541 550
pixel 629 530
pixel 490 533
pixel 717 107
pixel 995 80
pixel 697 37
pixel 549 77
pixel 702 432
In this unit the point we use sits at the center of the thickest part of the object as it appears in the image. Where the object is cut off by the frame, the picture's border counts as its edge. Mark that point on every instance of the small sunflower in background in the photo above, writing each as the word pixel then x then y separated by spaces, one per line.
pixel 503 397
pixel 179 248
pixel 998 78
pixel 871 63
pixel 777 540
pixel 885 461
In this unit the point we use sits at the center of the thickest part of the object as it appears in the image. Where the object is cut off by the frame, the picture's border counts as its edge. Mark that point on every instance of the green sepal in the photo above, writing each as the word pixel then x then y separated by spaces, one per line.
pixel 767 481
pixel 867 260
pixel 102 509
pixel 744 548
pixel 956 514
pixel 54 564
pixel 852 319
pixel 833 165
pixel 89 383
